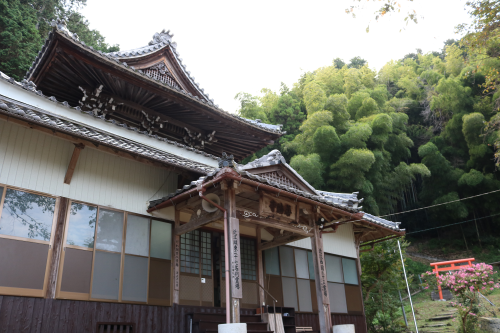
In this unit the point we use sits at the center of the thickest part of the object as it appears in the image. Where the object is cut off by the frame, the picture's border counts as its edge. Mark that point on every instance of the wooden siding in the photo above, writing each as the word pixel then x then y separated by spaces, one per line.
pixel 312 320
pixel 340 243
pixel 36 161
pixel 38 315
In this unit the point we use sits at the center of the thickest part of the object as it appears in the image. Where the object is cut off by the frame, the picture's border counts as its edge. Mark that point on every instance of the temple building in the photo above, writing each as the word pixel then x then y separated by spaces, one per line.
pixel 125 206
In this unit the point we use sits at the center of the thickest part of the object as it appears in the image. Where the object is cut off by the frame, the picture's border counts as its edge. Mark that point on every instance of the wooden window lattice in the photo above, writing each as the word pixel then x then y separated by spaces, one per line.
pixel 161 73
pixel 279 178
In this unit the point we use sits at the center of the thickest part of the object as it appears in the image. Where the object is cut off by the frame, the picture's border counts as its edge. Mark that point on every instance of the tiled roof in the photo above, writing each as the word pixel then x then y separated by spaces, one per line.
pixel 160 41
pixel 383 222
pixel 344 201
pixel 50 120
pixel 273 158
pixel 59 26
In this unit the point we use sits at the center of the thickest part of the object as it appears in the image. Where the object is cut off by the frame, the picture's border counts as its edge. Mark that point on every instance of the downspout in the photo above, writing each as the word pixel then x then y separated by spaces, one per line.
pixel 226 252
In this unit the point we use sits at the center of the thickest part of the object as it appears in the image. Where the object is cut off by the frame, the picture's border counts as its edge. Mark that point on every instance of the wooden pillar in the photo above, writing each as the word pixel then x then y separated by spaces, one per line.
pixel 57 246
pixel 325 317
pixel 357 243
pixel 260 267
pixel 236 285
pixel 176 244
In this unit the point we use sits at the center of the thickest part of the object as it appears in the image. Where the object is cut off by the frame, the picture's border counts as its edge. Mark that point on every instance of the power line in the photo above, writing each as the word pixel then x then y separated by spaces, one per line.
pixel 448 225
pixel 444 203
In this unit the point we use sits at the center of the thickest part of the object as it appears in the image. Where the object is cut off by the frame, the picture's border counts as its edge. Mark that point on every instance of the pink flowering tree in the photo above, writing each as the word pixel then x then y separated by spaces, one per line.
pixel 466 284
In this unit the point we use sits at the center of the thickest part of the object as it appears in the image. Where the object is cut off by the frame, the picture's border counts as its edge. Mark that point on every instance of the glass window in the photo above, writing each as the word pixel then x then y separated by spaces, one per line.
pixel 333 268
pixel 311 265
pixel 289 292
pixel 272 261
pixel 77 271
pixel 286 260
pixel 129 260
pixel 137 237
pixel 304 289
pixel 248 262
pixel 106 277
pixel 110 230
pixel 190 252
pixel 161 240
pixel 81 225
pixel 27 215
pixel 350 271
pixel 336 293
pixel 301 264
pixel 135 279
pixel 206 253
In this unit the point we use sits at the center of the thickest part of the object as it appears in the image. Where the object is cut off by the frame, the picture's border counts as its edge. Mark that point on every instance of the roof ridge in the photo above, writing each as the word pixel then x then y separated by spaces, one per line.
pixel 59 26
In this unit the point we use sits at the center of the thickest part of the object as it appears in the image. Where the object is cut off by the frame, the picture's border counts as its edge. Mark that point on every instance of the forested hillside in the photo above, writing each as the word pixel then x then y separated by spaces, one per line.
pixel 410 135
pixel 24 25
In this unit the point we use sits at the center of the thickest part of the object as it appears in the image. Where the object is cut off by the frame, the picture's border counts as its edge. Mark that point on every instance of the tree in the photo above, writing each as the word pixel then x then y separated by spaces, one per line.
pixel 79 25
pixel 338 63
pixel 382 269
pixel 314 97
pixel 387 7
pixel 19 38
pixel 24 24
pixel 356 62
pixel 250 107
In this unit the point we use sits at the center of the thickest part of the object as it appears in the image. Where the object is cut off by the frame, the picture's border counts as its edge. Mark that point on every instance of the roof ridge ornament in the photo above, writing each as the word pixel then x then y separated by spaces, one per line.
pixel 61 25
pixel 226 160
pixel 162 37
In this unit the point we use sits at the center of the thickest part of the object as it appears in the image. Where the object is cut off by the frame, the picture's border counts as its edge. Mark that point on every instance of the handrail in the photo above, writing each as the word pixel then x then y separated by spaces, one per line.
pixel 267 292
pixel 274 304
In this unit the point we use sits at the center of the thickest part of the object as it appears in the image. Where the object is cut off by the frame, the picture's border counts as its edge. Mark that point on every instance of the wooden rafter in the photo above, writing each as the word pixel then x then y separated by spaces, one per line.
pixel 72 162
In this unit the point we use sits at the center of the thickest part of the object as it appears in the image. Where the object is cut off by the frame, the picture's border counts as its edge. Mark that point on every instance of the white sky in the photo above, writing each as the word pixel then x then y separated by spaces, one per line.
pixel 233 46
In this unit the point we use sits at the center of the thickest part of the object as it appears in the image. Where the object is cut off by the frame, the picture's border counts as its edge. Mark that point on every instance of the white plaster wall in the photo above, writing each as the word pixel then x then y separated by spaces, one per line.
pixel 18 93
pixel 340 243
pixel 37 161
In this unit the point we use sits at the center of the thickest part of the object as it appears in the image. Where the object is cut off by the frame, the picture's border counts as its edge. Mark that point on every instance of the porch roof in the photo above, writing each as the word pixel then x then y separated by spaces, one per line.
pixel 345 204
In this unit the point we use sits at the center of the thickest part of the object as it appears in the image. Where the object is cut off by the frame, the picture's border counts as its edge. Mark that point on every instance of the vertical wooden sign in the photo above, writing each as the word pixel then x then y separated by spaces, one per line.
pixel 176 265
pixel 322 274
pixel 321 280
pixel 176 260
pixel 235 258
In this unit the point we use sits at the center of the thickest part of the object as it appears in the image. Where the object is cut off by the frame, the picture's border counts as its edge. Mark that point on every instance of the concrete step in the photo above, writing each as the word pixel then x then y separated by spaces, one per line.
pixel 213 325
pixel 221 318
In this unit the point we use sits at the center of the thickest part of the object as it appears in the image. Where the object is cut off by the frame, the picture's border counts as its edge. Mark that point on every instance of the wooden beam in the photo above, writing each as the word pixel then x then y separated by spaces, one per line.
pixel 151 112
pixel 72 162
pixel 267 222
pixel 197 222
pixel 280 241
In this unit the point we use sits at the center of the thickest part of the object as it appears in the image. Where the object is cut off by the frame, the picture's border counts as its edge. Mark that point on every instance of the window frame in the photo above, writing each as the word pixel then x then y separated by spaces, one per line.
pixel 15 291
pixel 88 296
pixel 311 280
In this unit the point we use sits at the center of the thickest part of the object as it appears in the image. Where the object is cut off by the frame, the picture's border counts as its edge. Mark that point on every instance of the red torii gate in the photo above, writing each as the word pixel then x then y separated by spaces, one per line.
pixel 452 267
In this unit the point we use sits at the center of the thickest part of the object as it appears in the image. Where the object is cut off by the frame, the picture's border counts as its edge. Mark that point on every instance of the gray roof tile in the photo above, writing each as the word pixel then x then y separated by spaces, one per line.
pixel 57 122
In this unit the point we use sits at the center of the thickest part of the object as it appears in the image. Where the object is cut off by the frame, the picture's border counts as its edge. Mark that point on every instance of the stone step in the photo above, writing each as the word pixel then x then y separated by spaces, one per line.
pixel 441 318
pixel 435 325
